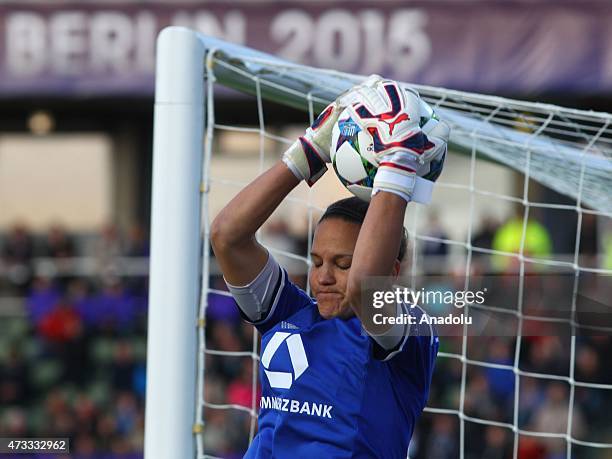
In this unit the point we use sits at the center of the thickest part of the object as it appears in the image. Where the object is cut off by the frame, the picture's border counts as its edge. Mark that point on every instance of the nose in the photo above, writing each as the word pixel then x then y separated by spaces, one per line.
pixel 325 275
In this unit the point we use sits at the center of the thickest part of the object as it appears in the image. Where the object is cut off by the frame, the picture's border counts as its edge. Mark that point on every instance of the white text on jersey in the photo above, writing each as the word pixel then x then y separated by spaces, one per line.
pixel 295 406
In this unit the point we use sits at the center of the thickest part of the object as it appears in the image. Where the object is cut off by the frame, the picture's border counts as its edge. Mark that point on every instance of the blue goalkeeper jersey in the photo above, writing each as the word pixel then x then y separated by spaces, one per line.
pixel 329 390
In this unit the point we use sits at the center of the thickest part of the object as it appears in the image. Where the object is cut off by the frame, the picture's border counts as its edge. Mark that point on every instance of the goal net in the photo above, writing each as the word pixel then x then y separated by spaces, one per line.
pixel 539 387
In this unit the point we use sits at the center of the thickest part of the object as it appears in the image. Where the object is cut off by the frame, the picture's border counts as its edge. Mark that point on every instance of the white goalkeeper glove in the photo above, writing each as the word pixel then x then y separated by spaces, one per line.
pixel 438 133
pixel 410 158
pixel 307 156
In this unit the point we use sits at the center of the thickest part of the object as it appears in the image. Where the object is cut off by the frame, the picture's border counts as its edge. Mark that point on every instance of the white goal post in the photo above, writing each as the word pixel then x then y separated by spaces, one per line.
pixel 175 239
pixel 564 149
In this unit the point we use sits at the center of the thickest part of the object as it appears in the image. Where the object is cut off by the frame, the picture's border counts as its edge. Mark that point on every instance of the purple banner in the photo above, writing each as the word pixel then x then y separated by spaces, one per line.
pixel 77 48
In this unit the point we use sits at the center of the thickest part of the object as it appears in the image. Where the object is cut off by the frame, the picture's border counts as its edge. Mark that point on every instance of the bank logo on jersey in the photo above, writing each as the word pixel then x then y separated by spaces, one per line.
pixel 297 355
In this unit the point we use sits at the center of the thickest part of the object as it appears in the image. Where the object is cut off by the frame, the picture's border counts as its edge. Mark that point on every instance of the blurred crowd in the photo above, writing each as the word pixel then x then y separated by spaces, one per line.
pixel 543 406
pixel 72 357
pixel 72 363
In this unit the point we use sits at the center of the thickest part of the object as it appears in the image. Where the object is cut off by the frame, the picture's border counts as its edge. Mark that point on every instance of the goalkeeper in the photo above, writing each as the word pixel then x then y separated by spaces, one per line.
pixel 332 386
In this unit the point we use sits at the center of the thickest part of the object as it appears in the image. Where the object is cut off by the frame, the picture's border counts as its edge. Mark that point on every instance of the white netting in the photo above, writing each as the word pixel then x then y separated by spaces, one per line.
pixel 567 150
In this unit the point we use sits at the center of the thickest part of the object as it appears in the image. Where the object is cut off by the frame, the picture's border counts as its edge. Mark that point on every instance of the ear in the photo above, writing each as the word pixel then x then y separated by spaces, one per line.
pixel 396 269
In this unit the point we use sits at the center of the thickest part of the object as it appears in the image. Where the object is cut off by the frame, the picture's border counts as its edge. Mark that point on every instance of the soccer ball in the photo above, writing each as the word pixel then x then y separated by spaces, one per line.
pixel 352 149
pixel 352 155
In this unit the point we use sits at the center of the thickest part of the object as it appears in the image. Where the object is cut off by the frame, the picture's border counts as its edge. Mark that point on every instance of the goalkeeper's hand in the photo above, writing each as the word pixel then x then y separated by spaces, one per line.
pixel 410 158
pixel 438 133
pixel 308 155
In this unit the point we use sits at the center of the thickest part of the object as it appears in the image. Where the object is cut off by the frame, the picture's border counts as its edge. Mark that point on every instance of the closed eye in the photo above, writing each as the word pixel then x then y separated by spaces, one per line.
pixel 344 263
pixel 316 261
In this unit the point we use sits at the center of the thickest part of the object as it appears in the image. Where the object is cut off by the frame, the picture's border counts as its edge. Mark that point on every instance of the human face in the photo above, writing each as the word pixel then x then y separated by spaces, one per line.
pixel 332 254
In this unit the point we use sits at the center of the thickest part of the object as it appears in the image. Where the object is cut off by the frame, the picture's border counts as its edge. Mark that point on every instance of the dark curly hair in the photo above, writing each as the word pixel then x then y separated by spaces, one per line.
pixel 354 210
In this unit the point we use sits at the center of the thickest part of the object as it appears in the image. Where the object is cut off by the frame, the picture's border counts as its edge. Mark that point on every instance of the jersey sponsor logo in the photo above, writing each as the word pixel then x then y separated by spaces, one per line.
pixel 297 355
pixel 289 325
pixel 321 410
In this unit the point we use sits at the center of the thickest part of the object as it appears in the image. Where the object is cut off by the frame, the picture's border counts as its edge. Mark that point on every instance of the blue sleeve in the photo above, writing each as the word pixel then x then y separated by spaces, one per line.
pixel 411 363
pixel 288 299
pixel 415 365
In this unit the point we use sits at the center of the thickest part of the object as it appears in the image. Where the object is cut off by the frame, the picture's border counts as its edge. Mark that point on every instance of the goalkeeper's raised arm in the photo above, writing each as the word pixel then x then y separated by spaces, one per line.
pixel 317 396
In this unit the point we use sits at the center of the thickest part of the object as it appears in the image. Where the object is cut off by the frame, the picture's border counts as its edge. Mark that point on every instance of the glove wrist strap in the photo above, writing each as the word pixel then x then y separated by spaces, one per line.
pixel 304 161
pixel 407 185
